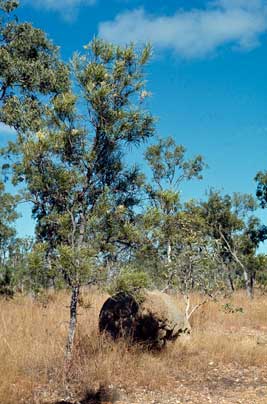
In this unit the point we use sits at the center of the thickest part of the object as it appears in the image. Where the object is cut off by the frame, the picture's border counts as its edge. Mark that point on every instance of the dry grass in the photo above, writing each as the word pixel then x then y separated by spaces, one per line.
pixel 33 334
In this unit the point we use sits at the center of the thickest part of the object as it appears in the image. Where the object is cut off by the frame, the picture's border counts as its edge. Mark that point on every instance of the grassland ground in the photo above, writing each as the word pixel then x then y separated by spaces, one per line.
pixel 223 361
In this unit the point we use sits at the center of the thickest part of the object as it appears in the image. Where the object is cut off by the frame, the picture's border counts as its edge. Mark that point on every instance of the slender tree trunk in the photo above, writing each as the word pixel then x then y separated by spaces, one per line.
pixel 230 283
pixel 252 281
pixel 51 278
pixel 169 252
pixel 73 320
pixel 111 270
pixel 75 288
pixel 248 280
pixel 249 283
pixel 229 280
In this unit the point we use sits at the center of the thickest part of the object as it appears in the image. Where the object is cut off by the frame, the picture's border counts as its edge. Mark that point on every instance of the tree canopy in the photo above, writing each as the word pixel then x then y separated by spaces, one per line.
pixel 99 218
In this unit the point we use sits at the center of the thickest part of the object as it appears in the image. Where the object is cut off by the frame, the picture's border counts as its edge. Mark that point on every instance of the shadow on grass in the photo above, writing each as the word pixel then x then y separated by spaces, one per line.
pixel 102 396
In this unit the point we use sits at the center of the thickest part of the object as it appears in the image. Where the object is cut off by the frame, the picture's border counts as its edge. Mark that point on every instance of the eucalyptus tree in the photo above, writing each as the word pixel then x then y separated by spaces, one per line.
pixel 261 193
pixel 170 169
pixel 236 233
pixel 253 234
pixel 8 215
pixel 73 165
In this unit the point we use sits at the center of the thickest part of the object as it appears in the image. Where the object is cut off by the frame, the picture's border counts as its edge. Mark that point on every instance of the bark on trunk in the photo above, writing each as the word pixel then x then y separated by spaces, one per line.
pixel 73 320
pixel 249 283
pixel 169 252
pixel 231 283
pixel 228 280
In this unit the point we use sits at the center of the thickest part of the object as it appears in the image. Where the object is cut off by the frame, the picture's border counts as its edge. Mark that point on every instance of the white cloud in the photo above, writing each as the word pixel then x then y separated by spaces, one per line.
pixel 6 130
pixel 67 8
pixel 193 33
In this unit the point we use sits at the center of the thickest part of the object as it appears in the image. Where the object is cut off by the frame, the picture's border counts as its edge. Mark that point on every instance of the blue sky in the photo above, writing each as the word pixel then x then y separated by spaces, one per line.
pixel 207 75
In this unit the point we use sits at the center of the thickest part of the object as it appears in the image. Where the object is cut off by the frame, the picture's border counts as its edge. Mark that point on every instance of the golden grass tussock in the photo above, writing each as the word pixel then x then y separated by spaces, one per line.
pixel 33 334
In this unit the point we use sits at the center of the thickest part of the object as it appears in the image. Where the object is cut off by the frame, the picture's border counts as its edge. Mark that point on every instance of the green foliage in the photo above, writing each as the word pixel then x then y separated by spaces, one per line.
pixel 76 264
pixel 236 235
pixel 31 74
pixel 228 308
pixel 168 164
pixel 70 156
pixel 39 271
pixel 29 69
pixel 170 233
pixel 219 216
pixel 261 179
pixel 111 78
pixel 258 265
pixel 130 282
pixel 227 221
pixel 169 169
pixel 8 215
pixel 84 196
pixel 8 5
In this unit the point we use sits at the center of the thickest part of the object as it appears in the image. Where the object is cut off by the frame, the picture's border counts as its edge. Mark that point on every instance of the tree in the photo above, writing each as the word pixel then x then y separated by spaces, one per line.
pixel 261 193
pixel 236 235
pixel 73 165
pixel 29 70
pixel 260 266
pixel 8 215
pixel 253 234
pixel 30 74
pixel 163 219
